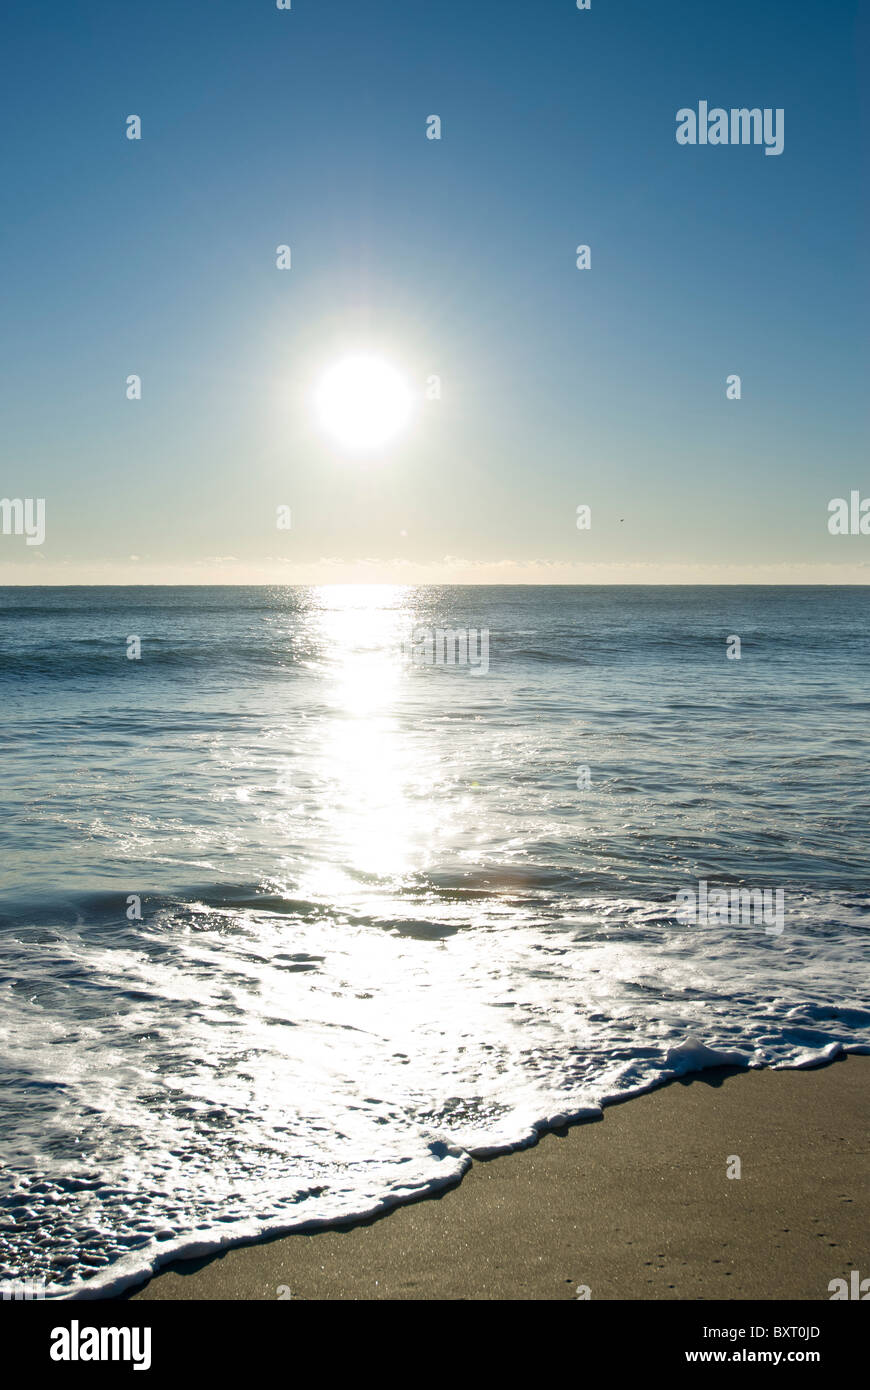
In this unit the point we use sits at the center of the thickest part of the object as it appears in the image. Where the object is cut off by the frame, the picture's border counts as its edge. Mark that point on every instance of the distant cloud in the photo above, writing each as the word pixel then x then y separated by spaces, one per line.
pixel 449 569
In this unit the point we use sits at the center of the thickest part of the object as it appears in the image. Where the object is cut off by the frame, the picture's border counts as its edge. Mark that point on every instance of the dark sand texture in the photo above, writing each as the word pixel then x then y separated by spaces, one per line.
pixel 635 1206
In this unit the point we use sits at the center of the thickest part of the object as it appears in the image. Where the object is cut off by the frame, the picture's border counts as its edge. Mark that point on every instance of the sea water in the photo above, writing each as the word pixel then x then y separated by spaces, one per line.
pixel 294 919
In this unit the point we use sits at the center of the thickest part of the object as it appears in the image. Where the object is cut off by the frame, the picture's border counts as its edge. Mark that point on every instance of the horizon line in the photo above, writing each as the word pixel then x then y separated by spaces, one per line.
pixel 460 584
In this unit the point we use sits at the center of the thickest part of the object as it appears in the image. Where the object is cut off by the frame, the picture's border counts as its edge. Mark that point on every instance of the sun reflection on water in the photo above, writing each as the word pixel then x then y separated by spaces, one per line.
pixel 367 761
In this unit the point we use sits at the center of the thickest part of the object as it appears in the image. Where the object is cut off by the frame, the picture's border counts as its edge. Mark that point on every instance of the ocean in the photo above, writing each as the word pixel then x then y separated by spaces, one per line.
pixel 297 913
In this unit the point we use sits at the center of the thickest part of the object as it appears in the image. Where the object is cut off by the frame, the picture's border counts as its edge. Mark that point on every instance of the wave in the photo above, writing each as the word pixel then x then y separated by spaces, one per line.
pixel 107 660
pixel 691 1056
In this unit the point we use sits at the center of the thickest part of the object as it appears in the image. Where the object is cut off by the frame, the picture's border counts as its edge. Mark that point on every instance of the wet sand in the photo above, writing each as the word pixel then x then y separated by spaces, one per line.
pixel 637 1205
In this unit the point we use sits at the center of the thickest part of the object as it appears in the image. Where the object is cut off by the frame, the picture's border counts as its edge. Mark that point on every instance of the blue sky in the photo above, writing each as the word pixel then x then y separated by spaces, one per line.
pixel 454 257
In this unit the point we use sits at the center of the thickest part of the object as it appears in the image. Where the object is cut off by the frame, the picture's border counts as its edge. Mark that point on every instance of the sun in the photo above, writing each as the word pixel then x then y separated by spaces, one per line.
pixel 363 402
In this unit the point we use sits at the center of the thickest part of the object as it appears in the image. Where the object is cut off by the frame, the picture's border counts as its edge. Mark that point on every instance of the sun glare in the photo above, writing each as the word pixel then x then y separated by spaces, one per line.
pixel 363 402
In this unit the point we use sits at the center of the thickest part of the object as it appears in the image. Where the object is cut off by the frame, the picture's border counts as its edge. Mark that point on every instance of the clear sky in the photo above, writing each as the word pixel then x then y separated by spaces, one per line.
pixel 456 258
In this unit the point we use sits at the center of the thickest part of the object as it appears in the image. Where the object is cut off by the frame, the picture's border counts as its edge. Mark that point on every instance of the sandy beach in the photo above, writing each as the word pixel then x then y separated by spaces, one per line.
pixel 637 1205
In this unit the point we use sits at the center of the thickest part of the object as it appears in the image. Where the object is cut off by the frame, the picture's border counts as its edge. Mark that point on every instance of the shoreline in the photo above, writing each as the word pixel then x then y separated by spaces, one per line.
pixel 636 1204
